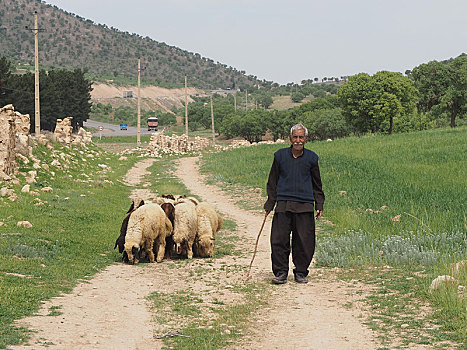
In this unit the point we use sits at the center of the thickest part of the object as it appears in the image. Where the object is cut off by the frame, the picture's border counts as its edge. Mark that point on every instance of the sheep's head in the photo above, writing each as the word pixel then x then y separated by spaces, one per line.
pixel 205 246
pixel 132 251
pixel 169 210
pixel 181 246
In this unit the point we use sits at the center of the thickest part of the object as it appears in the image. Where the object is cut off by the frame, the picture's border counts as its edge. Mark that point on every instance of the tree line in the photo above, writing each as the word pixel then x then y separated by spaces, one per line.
pixel 63 93
pixel 432 95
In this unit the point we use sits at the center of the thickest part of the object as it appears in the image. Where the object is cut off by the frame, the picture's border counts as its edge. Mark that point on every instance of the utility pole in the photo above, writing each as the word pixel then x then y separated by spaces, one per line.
pixel 246 100
pixel 138 125
pixel 212 123
pixel 37 113
pixel 186 108
pixel 235 100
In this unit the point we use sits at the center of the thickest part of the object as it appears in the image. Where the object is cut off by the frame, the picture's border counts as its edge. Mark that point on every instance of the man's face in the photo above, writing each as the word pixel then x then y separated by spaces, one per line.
pixel 298 139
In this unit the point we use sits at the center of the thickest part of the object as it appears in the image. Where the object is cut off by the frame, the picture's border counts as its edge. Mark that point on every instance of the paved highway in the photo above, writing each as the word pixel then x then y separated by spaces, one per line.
pixel 114 130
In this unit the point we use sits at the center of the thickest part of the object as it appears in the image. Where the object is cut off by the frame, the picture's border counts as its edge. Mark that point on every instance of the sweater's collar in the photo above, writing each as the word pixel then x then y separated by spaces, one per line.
pixel 291 152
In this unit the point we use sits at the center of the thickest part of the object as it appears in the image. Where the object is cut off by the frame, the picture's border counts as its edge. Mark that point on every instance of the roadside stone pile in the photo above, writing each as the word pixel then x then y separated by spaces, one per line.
pixel 63 134
pixel 161 144
pixel 246 143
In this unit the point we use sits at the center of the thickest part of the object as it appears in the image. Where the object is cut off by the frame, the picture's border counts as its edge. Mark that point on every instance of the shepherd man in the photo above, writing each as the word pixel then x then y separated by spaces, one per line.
pixel 294 188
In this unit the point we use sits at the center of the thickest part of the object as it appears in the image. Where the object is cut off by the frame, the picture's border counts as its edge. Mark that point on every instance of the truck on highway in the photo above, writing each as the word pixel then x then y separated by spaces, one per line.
pixel 152 123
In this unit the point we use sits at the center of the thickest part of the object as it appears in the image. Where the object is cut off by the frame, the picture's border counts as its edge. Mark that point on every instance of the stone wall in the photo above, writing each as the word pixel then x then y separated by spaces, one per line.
pixel 63 134
pixel 14 139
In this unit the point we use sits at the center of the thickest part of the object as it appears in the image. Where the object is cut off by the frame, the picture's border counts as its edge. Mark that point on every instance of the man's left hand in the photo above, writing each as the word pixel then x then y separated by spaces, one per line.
pixel 319 213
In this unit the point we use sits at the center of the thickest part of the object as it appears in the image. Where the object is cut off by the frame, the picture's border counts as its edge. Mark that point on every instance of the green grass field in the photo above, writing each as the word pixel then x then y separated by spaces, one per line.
pixel 420 177
pixel 72 232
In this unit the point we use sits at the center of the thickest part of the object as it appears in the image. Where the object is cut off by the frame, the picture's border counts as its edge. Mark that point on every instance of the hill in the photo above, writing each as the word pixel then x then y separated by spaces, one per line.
pixel 70 41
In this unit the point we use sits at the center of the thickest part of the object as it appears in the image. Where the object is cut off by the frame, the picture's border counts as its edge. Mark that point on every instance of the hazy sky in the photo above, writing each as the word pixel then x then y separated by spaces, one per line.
pixel 291 40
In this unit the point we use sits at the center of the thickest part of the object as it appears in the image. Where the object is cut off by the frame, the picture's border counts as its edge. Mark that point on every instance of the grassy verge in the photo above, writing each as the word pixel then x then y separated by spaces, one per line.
pixel 72 235
pixel 397 201
pixel 121 139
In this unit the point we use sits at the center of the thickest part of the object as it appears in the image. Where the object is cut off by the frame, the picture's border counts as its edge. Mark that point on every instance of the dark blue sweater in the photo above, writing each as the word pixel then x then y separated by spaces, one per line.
pixel 295 179
pixel 294 183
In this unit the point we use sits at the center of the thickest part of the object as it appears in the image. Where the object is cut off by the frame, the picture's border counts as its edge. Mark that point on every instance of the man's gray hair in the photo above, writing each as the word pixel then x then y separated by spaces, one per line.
pixel 298 126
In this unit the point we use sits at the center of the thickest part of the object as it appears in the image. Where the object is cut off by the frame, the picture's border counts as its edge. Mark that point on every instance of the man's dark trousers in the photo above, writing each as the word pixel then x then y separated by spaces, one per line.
pixel 302 226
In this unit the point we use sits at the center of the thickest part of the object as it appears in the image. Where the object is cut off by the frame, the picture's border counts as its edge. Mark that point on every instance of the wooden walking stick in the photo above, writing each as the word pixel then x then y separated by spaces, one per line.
pixel 256 247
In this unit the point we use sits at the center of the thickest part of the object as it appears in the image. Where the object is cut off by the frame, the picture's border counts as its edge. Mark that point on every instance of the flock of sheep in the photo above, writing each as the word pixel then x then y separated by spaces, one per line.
pixel 166 226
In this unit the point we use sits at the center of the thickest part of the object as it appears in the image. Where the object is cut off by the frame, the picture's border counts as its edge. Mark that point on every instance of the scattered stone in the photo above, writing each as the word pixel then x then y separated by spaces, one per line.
pixel 396 218
pixel 123 158
pixel 2 223
pixel 442 280
pixel 30 180
pixel 342 193
pixel 405 325
pixel 47 189
pixel 5 191
pixel 26 224
pixel 24 159
pixel 25 189
pixel 384 207
pixel 56 163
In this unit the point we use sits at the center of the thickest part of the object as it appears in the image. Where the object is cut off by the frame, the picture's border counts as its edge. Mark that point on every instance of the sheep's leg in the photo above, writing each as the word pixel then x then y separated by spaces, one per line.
pixel 190 250
pixel 149 251
pixel 161 249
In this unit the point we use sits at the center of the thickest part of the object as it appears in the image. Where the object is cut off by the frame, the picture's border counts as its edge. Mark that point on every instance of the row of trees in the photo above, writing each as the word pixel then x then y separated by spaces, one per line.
pixel 387 102
pixel 63 94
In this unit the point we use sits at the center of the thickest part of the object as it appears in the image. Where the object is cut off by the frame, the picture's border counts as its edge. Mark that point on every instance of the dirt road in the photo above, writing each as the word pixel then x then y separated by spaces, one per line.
pixel 111 312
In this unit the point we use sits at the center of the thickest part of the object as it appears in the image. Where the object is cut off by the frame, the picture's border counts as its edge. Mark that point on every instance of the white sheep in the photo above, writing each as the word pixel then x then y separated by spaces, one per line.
pixel 147 224
pixel 209 222
pixel 184 198
pixel 185 228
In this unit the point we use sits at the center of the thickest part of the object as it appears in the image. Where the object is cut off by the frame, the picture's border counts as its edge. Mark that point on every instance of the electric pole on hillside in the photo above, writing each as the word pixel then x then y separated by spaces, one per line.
pixel 212 123
pixel 37 113
pixel 235 100
pixel 186 107
pixel 246 100
pixel 138 125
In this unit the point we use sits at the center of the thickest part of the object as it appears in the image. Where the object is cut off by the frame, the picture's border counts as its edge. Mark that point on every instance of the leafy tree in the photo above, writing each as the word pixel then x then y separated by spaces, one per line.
pixel 297 96
pixel 166 119
pixel 265 100
pixel 5 74
pixel 323 124
pixel 443 87
pixel 367 101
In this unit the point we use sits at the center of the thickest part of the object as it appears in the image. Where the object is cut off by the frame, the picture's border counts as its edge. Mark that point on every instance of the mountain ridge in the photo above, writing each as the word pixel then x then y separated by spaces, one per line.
pixel 71 41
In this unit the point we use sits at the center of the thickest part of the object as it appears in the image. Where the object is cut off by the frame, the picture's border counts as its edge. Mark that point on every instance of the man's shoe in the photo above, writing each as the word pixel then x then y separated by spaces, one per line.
pixel 281 278
pixel 300 278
